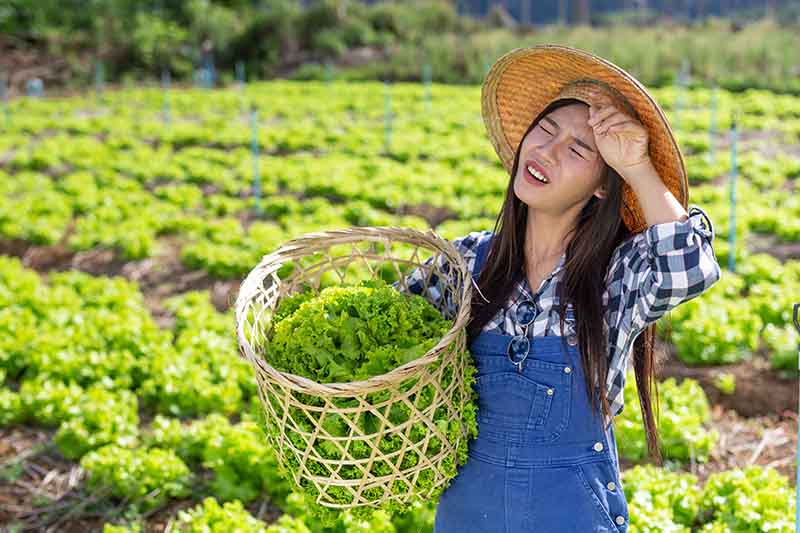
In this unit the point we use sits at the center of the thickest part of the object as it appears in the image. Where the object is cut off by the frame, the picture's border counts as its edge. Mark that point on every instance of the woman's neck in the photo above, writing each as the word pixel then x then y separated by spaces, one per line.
pixel 545 238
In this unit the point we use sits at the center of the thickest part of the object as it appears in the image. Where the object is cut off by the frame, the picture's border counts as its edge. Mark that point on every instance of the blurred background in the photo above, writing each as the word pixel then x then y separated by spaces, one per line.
pixel 741 43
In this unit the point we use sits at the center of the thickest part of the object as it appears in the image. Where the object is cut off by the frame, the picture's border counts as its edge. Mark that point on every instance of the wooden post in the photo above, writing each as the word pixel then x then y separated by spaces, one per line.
pixel 796 320
pixel 4 100
pixel 712 131
pixel 683 79
pixel 732 232
pixel 387 115
pixel 165 85
pixel 583 12
pixel 99 80
pixel 241 80
pixel 256 153
pixel 426 76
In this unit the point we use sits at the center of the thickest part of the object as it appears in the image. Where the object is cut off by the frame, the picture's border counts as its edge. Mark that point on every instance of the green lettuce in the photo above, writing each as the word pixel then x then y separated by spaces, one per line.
pixel 353 333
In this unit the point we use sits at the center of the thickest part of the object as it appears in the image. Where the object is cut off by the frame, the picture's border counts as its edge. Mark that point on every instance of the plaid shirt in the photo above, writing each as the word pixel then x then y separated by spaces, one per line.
pixel 648 274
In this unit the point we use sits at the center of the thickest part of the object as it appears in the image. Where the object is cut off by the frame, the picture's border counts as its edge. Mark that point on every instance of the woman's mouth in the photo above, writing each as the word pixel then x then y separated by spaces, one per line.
pixel 532 175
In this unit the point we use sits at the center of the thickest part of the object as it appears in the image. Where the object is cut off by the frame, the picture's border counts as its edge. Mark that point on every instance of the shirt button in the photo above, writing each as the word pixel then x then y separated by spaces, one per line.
pixel 598 446
pixel 572 340
pixel 567 370
pixel 611 485
pixel 549 392
pixel 620 519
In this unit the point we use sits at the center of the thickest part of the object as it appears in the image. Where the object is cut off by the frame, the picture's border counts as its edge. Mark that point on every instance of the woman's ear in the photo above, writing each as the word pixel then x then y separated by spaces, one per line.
pixel 601 192
pixel 605 179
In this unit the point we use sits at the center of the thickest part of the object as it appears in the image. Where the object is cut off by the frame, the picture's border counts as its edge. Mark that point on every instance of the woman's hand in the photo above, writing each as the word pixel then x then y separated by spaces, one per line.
pixel 621 139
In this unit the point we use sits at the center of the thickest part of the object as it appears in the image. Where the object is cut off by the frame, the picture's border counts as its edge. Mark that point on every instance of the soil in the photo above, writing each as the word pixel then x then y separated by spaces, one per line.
pixel 767 441
pixel 158 277
pixel 760 389
pixel 23 62
pixel 772 245
pixel 432 214
pixel 43 492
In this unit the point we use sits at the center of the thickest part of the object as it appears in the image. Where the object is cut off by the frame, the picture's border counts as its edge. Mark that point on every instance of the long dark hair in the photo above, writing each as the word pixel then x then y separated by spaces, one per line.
pixel 598 232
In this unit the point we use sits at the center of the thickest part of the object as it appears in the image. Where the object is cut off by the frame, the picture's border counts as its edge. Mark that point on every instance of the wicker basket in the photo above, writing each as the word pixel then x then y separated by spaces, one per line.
pixel 446 370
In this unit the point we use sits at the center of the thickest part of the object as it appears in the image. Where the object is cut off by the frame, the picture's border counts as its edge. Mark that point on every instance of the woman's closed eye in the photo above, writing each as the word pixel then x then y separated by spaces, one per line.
pixel 573 149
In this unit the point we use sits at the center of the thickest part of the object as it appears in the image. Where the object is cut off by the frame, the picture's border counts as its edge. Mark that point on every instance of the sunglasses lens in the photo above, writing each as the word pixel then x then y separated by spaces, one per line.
pixel 518 348
pixel 526 312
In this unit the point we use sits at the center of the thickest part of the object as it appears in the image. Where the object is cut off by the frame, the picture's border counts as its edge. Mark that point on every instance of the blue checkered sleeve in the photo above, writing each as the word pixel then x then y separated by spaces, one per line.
pixel 648 275
pixel 679 264
pixel 436 293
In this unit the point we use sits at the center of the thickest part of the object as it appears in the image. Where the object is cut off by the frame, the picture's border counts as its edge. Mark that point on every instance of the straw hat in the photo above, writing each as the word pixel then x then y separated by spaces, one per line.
pixel 524 81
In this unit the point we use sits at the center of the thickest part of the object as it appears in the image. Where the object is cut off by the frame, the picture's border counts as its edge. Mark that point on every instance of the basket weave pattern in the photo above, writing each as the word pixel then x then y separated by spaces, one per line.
pixel 295 406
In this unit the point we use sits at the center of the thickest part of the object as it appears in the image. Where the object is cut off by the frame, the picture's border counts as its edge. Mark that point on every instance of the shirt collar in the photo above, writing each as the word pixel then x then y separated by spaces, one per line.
pixel 526 291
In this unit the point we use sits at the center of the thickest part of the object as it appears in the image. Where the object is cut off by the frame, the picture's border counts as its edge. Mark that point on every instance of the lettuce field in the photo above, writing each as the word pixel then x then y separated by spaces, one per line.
pixel 128 218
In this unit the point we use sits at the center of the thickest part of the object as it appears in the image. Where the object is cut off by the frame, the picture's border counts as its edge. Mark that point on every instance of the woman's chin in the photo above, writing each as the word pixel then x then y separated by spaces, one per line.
pixel 527 193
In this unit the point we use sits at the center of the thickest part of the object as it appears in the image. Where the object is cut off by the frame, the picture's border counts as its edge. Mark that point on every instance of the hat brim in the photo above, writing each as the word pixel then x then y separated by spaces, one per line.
pixel 522 82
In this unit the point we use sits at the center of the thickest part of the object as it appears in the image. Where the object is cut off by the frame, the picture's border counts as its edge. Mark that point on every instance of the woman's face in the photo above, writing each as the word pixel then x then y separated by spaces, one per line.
pixel 562 147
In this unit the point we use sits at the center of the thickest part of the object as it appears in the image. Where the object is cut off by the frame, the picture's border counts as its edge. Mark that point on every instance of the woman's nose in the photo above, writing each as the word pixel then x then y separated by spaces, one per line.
pixel 548 152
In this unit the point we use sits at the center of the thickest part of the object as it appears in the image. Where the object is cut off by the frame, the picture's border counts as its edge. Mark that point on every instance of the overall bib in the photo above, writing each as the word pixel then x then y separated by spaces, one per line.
pixel 541 462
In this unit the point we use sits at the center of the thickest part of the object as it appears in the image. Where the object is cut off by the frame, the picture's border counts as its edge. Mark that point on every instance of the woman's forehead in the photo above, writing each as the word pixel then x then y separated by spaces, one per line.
pixel 575 111
pixel 574 120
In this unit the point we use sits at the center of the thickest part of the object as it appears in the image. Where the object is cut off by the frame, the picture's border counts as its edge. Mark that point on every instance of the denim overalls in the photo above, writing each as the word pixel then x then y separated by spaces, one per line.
pixel 541 462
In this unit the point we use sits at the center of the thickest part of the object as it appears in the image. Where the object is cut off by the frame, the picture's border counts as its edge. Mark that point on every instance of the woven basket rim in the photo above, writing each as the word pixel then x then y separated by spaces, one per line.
pixel 293 248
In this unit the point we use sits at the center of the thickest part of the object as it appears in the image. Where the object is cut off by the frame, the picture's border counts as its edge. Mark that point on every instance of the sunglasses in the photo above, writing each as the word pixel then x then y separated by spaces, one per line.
pixel 520 345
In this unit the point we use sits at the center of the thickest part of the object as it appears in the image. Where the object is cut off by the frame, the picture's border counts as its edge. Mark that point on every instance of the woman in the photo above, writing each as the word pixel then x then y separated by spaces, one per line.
pixel 594 217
